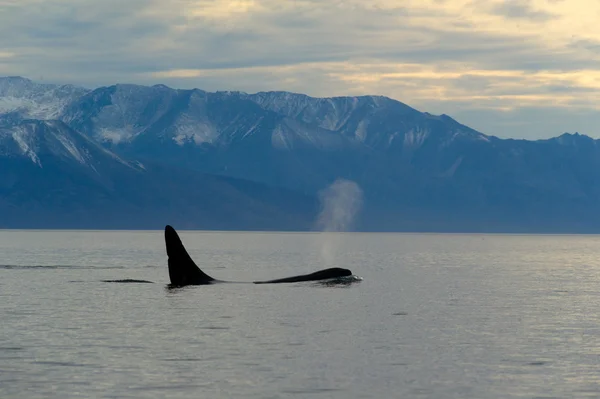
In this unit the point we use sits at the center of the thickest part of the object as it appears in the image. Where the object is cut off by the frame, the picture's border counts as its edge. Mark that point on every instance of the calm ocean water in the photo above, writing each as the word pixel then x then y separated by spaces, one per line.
pixel 436 316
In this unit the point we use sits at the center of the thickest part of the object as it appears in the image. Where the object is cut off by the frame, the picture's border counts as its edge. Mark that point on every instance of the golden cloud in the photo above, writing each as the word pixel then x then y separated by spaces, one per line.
pixel 419 83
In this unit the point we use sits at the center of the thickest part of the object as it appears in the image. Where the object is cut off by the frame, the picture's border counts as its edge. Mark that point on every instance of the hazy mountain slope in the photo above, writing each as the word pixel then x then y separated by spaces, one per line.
pixel 418 171
pixel 53 176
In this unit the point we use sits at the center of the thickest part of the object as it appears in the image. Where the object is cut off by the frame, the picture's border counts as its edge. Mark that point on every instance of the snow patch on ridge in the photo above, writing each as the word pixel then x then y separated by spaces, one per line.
pixel 361 130
pixel 71 148
pixel 198 133
pixel 115 136
pixel 415 138
pixel 21 137
pixel 279 139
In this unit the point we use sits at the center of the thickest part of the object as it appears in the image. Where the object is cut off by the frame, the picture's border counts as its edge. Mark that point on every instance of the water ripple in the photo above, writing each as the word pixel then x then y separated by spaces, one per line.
pixel 58 267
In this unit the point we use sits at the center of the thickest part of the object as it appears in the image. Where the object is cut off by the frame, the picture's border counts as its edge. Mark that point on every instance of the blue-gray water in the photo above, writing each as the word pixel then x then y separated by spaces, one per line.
pixel 436 316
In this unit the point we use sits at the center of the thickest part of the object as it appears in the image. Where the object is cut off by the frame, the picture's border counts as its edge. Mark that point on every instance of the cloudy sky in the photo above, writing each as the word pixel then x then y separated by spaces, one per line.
pixel 512 68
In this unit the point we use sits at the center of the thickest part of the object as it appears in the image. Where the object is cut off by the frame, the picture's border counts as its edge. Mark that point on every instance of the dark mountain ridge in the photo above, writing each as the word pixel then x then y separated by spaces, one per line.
pixel 418 171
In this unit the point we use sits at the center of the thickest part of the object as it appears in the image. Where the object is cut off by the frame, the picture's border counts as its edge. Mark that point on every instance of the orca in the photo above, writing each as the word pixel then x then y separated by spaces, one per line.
pixel 183 271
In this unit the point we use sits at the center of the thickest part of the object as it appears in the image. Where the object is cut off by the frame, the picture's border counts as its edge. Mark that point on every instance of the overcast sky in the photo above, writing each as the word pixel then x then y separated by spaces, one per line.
pixel 513 68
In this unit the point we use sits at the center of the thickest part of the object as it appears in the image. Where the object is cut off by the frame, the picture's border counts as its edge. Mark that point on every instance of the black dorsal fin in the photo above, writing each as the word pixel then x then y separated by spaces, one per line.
pixel 182 269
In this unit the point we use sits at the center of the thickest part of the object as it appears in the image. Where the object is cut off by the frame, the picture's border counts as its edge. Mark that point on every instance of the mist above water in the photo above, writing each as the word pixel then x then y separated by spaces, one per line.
pixel 340 203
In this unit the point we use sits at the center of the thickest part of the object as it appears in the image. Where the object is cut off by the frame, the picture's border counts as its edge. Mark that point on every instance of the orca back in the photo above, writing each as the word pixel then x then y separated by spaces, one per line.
pixel 334 272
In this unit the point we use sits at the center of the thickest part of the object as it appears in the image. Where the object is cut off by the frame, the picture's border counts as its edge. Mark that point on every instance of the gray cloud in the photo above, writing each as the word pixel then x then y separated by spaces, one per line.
pixel 279 38
pixel 520 9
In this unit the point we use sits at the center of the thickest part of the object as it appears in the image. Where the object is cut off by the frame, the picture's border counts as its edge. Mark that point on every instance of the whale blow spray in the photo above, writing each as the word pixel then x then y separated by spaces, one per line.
pixel 340 203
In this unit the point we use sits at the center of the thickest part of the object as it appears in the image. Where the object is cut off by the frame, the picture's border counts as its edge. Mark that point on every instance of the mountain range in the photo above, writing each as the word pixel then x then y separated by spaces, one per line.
pixel 129 156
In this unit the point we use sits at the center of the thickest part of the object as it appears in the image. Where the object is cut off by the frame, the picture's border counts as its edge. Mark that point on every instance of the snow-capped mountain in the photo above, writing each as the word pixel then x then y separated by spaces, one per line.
pixel 156 150
pixel 126 115
pixel 34 100
pixel 120 113
pixel 123 114
pixel 282 139
pixel 377 122
pixel 54 176
pixel 38 140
